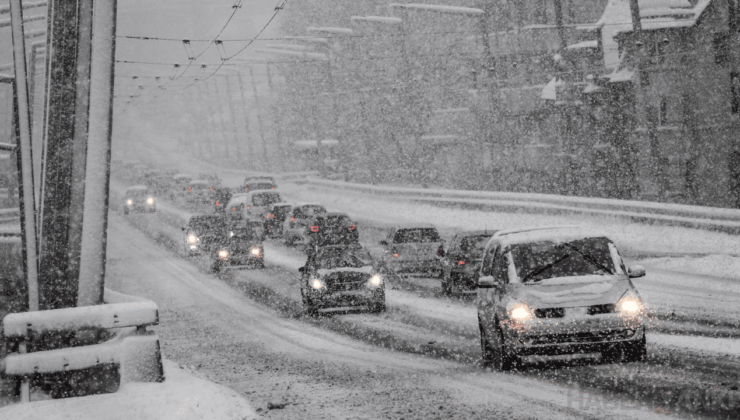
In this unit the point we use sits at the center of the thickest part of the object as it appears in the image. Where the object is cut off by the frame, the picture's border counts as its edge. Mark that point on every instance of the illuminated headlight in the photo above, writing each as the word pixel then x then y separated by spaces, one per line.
pixel 223 254
pixel 317 284
pixel 231 234
pixel 630 304
pixel 193 246
pixel 256 252
pixel 129 202
pixel 518 311
pixel 150 200
pixel 192 239
pixel 376 280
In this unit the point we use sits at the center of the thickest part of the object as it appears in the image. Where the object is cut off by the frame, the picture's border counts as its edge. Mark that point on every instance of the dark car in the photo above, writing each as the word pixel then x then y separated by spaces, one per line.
pixel 332 229
pixel 340 276
pixel 138 198
pixel 461 261
pixel 275 218
pixel 220 197
pixel 239 247
pixel 202 232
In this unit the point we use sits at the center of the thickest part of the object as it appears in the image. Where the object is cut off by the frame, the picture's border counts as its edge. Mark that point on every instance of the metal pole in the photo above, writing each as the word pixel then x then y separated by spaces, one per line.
pixel 95 224
pixel 237 142
pixel 80 139
pixel 56 290
pixel 259 119
pixel 28 205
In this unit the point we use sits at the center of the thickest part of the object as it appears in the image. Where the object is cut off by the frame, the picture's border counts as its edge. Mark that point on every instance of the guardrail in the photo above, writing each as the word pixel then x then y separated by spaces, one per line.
pixel 132 351
pixel 708 218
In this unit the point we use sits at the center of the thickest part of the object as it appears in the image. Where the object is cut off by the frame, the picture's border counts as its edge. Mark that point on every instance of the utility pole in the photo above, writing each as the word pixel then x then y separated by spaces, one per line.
pixel 259 118
pixel 237 140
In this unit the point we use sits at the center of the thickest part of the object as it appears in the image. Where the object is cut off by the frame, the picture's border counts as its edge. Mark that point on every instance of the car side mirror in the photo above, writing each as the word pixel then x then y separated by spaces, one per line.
pixel 441 252
pixel 486 282
pixel 302 270
pixel 383 242
pixel 183 229
pixel 636 271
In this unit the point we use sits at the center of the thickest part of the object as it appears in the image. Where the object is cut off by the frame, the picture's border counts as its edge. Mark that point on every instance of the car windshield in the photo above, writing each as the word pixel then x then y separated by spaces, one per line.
pixel 199 186
pixel 308 211
pixel 474 244
pixel 259 186
pixel 206 224
pixel 137 194
pixel 265 199
pixel 539 261
pixel 341 257
pixel 244 233
pixel 420 235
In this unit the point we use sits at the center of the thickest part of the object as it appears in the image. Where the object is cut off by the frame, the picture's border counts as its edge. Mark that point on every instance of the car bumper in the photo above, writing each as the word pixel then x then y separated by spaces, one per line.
pixel 242 262
pixel 414 266
pixel 557 336
pixel 141 207
pixel 360 297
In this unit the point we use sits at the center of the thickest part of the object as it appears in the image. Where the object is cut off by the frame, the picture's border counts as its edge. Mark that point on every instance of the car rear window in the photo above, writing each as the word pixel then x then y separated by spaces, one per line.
pixel 421 235
pixel 308 211
pixel 265 199
pixel 259 186
pixel 137 194
pixel 474 244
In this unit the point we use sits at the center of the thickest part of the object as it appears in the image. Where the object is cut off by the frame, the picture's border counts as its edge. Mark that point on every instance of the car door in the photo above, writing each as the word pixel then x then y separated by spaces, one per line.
pixel 449 260
pixel 486 295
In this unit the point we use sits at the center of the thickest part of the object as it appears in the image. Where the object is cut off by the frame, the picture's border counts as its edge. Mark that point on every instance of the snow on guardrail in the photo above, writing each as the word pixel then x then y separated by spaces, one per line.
pixel 708 218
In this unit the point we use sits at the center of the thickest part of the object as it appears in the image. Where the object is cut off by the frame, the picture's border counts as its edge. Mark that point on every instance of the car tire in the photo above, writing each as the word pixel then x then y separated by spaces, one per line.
pixel 635 351
pixel 308 307
pixel 446 286
pixel 214 267
pixel 125 211
pixel 498 355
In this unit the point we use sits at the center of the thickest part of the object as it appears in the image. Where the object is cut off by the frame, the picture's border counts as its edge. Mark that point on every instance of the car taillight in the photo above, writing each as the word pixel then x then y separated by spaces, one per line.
pixel 395 255
pixel 352 227
pixel 314 228
pixel 233 209
pixel 461 263
pixel 249 207
pixel 217 203
pixel 211 188
pixel 270 216
pixel 273 188
pixel 246 189
pixel 292 219
pixel 190 188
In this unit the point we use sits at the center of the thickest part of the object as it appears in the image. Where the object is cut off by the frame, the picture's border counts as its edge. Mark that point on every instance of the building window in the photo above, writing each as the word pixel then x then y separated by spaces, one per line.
pixel 735 91
pixel 721 48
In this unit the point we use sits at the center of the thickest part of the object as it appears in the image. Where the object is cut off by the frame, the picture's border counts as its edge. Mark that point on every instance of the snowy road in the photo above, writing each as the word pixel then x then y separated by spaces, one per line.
pixel 418 321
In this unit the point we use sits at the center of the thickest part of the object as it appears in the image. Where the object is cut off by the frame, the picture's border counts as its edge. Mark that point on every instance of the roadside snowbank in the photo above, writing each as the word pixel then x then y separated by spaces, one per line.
pixel 724 346
pixel 721 266
pixel 181 396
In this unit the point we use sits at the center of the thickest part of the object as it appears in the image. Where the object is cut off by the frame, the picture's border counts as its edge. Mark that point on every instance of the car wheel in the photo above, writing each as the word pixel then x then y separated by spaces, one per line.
pixel 125 210
pixel 485 347
pixel 215 267
pixel 497 354
pixel 308 307
pixel 636 351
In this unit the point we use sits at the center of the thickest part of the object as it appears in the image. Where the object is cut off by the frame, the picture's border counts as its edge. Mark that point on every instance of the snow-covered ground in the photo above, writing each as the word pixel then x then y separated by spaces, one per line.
pixel 183 395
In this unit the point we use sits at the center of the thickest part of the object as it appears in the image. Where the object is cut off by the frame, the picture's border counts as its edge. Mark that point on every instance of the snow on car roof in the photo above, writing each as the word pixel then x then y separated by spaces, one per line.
pixel 549 234
pixel 416 226
pixel 138 188
pixel 199 182
pixel 242 198
pixel 180 176
pixel 308 204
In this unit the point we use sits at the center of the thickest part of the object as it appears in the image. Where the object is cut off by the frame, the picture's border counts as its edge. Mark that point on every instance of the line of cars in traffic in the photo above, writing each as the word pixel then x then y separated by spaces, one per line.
pixel 542 291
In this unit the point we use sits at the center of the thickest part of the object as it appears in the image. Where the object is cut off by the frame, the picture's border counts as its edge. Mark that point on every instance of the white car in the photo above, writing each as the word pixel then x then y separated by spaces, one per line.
pixel 252 205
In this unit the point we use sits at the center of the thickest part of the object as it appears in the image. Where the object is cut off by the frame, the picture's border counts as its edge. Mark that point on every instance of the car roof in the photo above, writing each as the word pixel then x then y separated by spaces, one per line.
pixel 416 226
pixel 334 214
pixel 469 233
pixel 252 193
pixel 137 188
pixel 544 234
pixel 308 204
pixel 178 176
pixel 199 182
pixel 241 198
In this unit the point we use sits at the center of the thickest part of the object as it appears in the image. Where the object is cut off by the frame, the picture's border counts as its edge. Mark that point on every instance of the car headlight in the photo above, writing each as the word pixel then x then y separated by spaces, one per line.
pixel 376 280
pixel 129 202
pixel 518 311
pixel 630 304
pixel 256 252
pixel 231 234
pixel 150 200
pixel 223 254
pixel 192 239
pixel 317 284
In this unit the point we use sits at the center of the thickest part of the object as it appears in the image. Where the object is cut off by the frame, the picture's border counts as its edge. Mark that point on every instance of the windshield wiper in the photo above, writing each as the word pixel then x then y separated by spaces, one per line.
pixel 544 267
pixel 588 258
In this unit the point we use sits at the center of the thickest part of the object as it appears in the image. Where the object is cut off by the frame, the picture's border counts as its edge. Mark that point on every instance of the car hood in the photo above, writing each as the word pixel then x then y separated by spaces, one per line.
pixel 569 292
pixel 326 271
